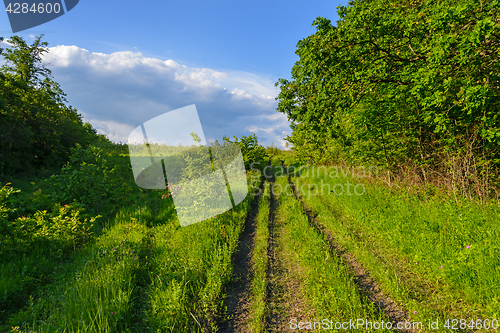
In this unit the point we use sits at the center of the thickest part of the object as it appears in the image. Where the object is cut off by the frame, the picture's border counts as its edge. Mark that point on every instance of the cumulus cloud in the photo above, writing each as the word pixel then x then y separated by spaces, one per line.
pixel 273 127
pixel 119 91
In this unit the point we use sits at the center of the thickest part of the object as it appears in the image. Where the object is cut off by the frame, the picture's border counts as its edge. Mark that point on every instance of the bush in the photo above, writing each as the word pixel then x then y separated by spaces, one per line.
pixel 86 179
pixel 64 227
pixel 254 155
pixel 6 212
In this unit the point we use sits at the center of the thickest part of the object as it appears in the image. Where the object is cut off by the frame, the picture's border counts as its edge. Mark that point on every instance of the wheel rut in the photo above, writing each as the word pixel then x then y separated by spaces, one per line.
pixel 284 297
pixel 238 292
pixel 369 288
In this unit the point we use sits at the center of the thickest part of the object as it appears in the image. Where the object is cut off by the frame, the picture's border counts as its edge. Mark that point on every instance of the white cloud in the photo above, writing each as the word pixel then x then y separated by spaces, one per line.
pixel 273 127
pixel 121 90
pixel 114 130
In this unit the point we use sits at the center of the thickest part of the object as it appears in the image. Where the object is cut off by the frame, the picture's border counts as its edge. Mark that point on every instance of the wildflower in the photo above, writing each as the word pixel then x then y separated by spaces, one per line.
pixel 441 266
pixel 467 246
pixel 414 311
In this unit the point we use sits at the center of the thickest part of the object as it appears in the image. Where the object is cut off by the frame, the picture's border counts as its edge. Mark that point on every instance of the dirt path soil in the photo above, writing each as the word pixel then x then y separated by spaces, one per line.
pixel 237 300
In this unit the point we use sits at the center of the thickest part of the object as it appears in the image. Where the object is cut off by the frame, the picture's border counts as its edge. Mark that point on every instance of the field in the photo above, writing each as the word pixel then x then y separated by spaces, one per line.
pixel 297 253
pixel 383 216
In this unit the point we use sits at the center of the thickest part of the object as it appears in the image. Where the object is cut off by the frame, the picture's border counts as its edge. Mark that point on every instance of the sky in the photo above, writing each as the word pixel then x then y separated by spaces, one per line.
pixel 122 63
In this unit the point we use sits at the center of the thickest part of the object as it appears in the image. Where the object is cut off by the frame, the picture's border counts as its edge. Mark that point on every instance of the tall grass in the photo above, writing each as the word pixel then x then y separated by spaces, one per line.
pixel 143 273
pixel 327 285
pixel 434 256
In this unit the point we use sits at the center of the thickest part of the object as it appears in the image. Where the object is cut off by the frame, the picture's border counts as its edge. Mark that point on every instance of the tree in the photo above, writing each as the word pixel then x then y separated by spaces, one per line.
pixel 37 128
pixel 419 79
pixel 196 137
pixel 25 61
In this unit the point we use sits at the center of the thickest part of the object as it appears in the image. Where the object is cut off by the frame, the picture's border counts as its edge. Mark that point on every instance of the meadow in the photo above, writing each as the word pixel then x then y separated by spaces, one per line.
pixel 82 257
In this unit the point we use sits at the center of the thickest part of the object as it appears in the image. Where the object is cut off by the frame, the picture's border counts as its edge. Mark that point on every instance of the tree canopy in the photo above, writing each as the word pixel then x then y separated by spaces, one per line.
pixel 400 83
pixel 37 127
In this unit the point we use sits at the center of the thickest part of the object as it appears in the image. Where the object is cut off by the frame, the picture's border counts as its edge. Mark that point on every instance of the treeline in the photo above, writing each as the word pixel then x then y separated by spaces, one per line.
pixel 37 127
pixel 411 85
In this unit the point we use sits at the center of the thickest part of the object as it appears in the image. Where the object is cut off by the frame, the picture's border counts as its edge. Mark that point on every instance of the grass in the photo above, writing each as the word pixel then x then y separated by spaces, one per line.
pixel 258 296
pixel 142 273
pixel 438 258
pixel 191 266
pixel 94 293
pixel 28 273
pixel 327 285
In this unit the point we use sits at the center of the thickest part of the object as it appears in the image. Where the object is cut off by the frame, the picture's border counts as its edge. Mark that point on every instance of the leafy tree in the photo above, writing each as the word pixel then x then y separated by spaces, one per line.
pixel 407 83
pixel 196 137
pixel 37 128
pixel 251 150
pixel 25 61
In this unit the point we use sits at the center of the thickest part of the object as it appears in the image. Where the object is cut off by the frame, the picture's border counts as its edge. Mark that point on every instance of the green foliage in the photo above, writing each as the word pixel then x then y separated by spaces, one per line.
pixel 142 271
pixel 6 229
pixel 65 226
pixel 254 154
pixel 196 137
pixel 86 178
pixel 435 256
pixel 37 128
pixel 412 84
pixel 326 283
pixel 259 287
pixel 26 60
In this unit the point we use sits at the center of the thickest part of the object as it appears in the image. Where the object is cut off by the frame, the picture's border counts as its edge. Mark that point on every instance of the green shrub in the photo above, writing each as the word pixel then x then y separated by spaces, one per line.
pixel 6 212
pixel 86 179
pixel 64 227
pixel 254 155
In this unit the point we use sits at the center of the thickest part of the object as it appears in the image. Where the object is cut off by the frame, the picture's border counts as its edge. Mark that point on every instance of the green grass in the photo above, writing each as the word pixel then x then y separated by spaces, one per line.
pixel 94 292
pixel 433 256
pixel 142 273
pixel 258 296
pixel 28 272
pixel 327 285
pixel 191 265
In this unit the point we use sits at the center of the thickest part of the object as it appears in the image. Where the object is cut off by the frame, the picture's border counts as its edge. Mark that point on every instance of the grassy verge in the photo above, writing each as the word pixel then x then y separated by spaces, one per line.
pixel 95 291
pixel 438 258
pixel 191 267
pixel 143 273
pixel 41 238
pixel 327 285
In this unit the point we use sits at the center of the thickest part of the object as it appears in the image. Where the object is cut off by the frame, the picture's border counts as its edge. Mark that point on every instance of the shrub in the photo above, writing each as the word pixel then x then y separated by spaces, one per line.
pixel 254 154
pixel 64 227
pixel 85 179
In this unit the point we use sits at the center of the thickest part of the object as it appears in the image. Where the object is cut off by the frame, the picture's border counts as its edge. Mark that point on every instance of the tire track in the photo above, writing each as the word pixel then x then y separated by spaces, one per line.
pixel 237 300
pixel 283 293
pixel 367 286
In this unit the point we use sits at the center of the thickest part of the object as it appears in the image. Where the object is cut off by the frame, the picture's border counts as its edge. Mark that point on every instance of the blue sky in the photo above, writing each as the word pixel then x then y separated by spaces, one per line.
pixel 122 63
